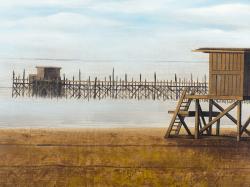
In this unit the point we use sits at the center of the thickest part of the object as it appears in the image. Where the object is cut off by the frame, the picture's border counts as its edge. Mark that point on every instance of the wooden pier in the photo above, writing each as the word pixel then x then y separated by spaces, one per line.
pixel 111 87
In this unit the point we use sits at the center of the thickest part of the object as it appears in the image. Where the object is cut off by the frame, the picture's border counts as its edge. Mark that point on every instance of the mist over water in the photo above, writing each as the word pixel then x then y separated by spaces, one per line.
pixel 73 113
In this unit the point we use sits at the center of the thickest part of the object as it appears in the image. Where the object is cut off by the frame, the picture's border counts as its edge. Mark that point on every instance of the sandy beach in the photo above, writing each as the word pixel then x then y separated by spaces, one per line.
pixel 119 157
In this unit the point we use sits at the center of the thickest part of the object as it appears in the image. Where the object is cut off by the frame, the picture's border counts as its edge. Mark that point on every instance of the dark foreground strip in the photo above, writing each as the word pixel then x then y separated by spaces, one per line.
pixel 236 145
pixel 112 167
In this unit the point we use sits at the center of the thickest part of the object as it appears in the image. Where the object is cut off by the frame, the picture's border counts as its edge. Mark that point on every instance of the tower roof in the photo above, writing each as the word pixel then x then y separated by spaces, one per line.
pixel 223 50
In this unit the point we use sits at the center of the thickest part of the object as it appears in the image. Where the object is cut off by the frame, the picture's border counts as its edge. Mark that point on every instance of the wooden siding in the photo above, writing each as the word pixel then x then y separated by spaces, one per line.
pixel 247 75
pixel 226 74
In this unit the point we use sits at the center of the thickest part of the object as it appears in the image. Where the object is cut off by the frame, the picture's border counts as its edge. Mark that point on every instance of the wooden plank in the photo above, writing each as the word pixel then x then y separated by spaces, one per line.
pixel 197 96
pixel 213 62
pixel 192 113
pixel 225 72
pixel 240 60
pixel 212 84
pixel 217 60
pixel 223 61
pixel 218 85
pixel 225 85
pixel 235 61
pixel 228 109
pixel 234 82
pixel 227 62
pixel 231 60
pixel 230 84
pixel 214 97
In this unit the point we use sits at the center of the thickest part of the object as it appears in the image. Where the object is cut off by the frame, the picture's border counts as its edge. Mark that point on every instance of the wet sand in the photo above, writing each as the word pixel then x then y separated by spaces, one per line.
pixel 120 157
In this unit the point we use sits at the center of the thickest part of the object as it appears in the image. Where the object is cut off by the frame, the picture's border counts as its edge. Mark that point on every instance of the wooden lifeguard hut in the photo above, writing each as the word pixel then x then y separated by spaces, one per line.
pixel 229 77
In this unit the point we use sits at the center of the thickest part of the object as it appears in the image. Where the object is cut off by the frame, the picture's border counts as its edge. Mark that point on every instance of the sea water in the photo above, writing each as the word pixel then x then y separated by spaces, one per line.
pixel 25 112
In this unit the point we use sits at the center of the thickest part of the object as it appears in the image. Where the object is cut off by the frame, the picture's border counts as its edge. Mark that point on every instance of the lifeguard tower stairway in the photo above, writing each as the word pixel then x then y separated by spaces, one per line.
pixel 229 77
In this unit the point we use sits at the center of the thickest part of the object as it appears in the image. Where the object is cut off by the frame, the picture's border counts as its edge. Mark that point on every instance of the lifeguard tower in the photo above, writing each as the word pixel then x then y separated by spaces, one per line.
pixel 229 79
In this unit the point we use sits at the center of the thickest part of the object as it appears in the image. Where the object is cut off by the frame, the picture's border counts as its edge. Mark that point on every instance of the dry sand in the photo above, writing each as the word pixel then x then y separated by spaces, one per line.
pixel 119 157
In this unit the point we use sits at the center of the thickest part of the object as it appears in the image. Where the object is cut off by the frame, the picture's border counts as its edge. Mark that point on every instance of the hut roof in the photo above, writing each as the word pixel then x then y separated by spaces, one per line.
pixel 223 50
pixel 54 67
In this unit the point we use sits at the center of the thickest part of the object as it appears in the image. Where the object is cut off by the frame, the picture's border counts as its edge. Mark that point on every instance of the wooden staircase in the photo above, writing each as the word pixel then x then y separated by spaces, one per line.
pixel 177 120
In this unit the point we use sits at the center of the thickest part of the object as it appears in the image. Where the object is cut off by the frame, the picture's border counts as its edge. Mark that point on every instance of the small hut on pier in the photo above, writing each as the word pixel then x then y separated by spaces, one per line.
pixel 47 81
pixel 46 73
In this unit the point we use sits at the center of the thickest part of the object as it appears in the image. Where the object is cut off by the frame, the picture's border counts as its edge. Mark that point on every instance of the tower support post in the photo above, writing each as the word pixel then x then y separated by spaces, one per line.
pixel 239 115
pixel 210 115
pixel 217 128
pixel 197 119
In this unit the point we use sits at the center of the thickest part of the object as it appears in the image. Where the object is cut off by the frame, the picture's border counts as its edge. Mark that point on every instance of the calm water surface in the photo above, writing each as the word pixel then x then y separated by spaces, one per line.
pixel 73 113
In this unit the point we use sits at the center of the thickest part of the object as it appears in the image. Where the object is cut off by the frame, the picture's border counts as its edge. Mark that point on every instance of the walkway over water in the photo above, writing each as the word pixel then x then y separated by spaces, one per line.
pixel 111 87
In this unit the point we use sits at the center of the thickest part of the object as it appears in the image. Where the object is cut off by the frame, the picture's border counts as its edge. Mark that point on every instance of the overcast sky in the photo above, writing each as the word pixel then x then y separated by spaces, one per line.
pixel 120 29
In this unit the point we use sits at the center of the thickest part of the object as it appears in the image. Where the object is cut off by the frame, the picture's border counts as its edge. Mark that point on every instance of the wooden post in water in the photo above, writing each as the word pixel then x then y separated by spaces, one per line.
pixel 110 86
pixel 23 83
pixel 95 87
pixel 176 87
pixel 132 94
pixel 113 82
pixel 116 87
pixel 89 89
pixel 73 87
pixel 79 84
pixel 126 87
pixel 154 90
pixel 140 88
pixel 13 83
pixel 105 88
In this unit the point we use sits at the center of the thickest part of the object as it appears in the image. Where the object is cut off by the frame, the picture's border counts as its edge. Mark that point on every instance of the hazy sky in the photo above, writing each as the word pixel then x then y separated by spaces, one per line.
pixel 120 29
pixel 134 36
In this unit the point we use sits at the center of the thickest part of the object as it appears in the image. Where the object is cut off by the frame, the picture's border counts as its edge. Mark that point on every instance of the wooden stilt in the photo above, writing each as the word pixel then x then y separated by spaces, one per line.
pixel 197 120
pixel 239 113
pixel 217 128
pixel 210 115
